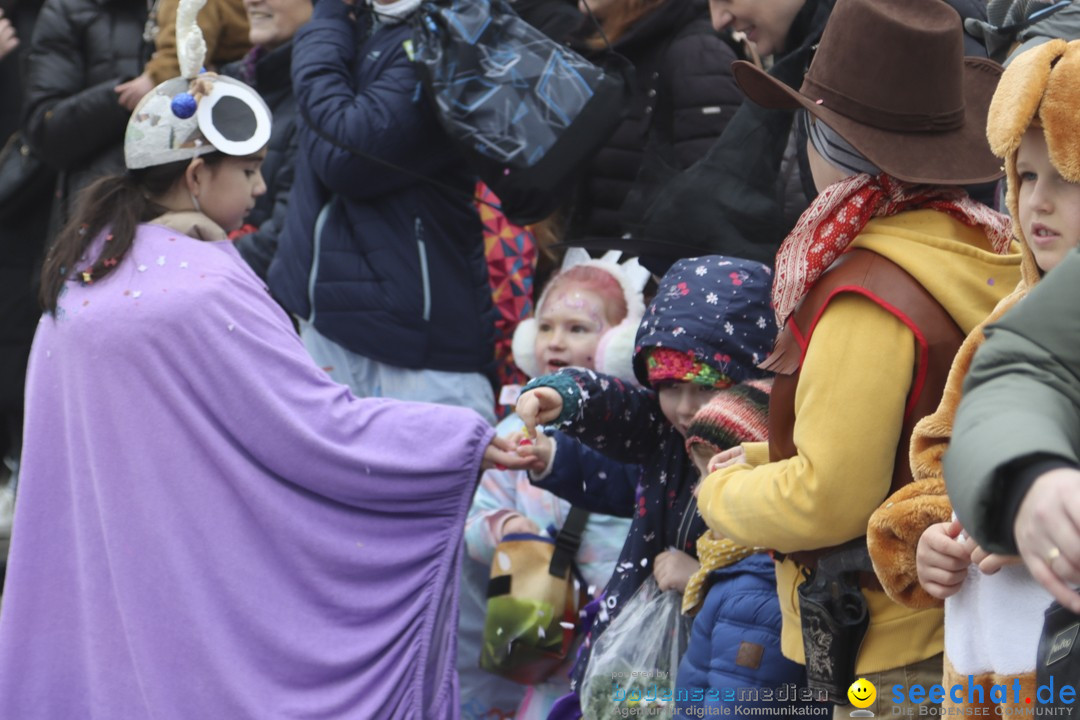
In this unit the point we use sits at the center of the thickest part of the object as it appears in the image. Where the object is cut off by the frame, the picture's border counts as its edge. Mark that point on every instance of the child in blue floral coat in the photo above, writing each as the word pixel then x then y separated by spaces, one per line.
pixel 705 332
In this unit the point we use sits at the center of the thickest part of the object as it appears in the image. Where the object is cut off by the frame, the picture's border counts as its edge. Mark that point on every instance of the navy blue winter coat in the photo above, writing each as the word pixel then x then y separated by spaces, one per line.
pixel 381 261
pixel 735 640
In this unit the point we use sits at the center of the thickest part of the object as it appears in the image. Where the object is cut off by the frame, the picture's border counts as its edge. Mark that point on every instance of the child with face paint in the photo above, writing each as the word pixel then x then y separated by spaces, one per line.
pixel 585 318
pixel 703 335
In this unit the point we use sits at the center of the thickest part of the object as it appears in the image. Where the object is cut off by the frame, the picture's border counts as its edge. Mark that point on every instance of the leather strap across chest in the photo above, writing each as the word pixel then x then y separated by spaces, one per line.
pixel 885 283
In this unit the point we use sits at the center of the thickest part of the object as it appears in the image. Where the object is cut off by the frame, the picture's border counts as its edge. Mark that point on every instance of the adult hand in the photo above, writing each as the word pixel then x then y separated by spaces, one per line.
pixel 538 449
pixel 500 453
pixel 673 568
pixel 1047 533
pixel 131 92
pixel 537 406
pixel 941 560
pixel 8 39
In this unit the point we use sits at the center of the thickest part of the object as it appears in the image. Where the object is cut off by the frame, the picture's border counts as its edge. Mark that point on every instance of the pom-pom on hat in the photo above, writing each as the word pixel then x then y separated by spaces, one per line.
pixel 735 415
pixel 196 113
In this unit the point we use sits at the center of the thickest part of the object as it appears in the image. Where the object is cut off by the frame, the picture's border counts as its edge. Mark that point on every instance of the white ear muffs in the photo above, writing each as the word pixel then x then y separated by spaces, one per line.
pixel 614 352
pixel 523 347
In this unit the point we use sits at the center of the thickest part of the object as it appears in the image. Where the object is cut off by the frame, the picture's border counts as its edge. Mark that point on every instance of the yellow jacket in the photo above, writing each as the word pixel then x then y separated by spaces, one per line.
pixel 849 409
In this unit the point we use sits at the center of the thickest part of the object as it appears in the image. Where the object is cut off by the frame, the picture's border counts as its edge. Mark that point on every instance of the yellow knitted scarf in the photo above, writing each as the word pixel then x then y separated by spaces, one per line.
pixel 713 553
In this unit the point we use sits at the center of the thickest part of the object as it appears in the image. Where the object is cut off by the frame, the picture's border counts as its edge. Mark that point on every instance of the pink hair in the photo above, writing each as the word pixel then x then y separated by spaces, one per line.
pixel 593 279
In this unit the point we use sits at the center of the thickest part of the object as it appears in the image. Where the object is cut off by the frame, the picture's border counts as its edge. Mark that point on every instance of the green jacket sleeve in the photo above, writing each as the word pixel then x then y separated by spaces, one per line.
pixel 1021 405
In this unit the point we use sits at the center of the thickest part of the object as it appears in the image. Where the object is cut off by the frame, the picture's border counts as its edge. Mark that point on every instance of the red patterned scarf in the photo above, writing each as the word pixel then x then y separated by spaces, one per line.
pixel 841 211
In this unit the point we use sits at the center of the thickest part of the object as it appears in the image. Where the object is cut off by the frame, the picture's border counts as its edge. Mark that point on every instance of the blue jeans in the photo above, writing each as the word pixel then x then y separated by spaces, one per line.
pixel 370 378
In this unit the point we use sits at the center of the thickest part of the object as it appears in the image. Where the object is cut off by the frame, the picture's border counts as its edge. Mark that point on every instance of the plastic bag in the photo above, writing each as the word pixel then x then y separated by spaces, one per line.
pixel 634 662
pixel 526 111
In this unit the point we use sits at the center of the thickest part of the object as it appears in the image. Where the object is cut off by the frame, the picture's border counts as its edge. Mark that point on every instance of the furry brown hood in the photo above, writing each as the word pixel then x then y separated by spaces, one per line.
pixel 1042 83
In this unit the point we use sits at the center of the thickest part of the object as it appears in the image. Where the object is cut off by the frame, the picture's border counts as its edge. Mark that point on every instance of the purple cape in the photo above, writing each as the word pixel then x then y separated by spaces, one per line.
pixel 209 527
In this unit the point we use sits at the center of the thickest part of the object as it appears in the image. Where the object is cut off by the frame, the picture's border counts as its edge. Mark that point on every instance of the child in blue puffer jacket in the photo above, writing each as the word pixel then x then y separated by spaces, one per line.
pixel 735 640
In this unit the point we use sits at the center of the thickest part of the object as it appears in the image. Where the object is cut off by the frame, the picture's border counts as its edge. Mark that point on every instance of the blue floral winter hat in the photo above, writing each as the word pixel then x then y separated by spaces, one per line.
pixel 715 309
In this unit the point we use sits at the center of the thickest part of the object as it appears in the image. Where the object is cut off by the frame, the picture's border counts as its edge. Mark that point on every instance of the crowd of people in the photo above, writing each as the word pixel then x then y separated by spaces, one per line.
pixel 781 400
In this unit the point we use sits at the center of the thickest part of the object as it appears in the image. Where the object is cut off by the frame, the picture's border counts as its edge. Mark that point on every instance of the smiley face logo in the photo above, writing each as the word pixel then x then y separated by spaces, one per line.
pixel 862 693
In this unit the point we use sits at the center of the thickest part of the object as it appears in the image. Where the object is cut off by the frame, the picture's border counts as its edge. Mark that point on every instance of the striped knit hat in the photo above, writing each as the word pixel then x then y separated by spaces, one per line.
pixel 735 415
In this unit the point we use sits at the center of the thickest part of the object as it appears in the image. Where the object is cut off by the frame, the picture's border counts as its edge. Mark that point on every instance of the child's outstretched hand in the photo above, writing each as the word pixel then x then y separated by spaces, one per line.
pixel 942 560
pixel 538 406
pixel 500 453
pixel 673 569
pixel 537 448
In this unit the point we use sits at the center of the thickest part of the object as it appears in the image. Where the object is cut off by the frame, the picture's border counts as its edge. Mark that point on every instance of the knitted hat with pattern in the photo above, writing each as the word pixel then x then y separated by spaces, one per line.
pixel 735 415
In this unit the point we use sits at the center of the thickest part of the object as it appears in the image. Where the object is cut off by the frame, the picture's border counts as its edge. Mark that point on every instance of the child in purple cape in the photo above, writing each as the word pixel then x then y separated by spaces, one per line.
pixel 207 525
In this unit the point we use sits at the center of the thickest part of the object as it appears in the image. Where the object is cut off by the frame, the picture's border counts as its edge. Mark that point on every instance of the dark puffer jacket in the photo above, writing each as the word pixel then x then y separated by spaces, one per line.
pixel 684 97
pixel 381 262
pixel 268 72
pixel 23 217
pixel 81 50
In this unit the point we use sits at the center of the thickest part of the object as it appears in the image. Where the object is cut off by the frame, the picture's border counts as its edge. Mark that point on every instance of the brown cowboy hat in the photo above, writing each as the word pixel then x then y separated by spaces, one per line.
pixel 891 78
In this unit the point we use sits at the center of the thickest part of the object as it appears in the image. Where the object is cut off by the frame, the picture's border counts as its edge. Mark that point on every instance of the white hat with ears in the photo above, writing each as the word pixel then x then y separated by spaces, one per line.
pixel 614 353
pixel 196 113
